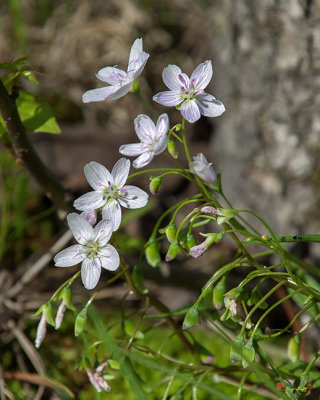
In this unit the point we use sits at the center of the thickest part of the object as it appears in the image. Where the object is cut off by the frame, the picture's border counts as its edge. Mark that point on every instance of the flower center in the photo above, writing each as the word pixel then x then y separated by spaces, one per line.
pixel 113 192
pixel 92 248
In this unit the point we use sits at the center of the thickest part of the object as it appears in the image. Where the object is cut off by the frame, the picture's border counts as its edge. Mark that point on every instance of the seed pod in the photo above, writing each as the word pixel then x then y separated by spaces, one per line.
pixel 294 348
pixel 218 293
pixel 155 184
pixel 170 232
pixel 191 317
pixel 81 322
pixel 152 254
pixel 172 149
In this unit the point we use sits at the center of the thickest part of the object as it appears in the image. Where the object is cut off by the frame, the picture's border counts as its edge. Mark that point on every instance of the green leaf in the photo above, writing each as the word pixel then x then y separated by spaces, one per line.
pixel 191 317
pixel 36 117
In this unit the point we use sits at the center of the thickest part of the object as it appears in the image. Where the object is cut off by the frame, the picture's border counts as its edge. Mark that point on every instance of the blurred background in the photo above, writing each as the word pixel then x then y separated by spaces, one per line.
pixel 266 63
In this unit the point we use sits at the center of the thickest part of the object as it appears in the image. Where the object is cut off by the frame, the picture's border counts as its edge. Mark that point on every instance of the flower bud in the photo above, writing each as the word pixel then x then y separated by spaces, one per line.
pixel 208 210
pixel 81 322
pixel 170 232
pixel 60 314
pixel 41 331
pixel 197 251
pixel 294 348
pixel 191 241
pixel 203 169
pixel 173 251
pixel 172 149
pixel 66 295
pixel 218 293
pixel 155 184
pixel 152 254
pixel 191 317
pixel 225 214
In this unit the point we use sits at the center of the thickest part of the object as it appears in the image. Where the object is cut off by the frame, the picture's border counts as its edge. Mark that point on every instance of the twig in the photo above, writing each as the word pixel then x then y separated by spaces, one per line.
pixel 26 154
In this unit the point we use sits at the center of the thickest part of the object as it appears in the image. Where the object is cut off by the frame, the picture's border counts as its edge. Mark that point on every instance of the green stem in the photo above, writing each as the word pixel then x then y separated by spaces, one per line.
pixel 146 103
pixel 146 171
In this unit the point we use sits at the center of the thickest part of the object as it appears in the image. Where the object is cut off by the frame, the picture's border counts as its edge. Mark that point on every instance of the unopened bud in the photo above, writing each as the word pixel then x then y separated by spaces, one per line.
pixel 294 348
pixel 191 241
pixel 152 254
pixel 155 184
pixel 41 331
pixel 173 251
pixel 170 232
pixel 81 322
pixel 209 210
pixel 66 295
pixel 225 214
pixel 197 251
pixel 218 292
pixel 60 314
pixel 172 149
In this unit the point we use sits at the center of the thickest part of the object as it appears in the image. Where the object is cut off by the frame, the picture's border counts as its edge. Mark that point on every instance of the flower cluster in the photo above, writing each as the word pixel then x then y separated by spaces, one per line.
pixel 110 191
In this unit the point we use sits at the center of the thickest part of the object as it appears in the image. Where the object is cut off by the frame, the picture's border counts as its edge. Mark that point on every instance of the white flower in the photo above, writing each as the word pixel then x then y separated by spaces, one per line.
pixel 93 249
pixel 188 93
pixel 109 191
pixel 153 138
pixel 203 169
pixel 120 81
pixel 41 331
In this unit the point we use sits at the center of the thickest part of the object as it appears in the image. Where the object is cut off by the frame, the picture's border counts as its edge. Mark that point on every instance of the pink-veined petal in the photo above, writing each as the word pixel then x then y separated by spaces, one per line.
pixel 136 67
pixel 112 211
pixel 143 160
pixel 162 125
pixel 90 272
pixel 99 94
pixel 132 149
pixel 190 110
pixel 97 175
pixel 202 75
pixel 103 231
pixel 133 197
pixel 90 216
pixel 160 145
pixel 209 105
pixel 89 201
pixel 120 172
pixel 136 50
pixel 145 128
pixel 169 98
pixel 80 228
pixel 112 75
pixel 109 258
pixel 70 256
pixel 170 76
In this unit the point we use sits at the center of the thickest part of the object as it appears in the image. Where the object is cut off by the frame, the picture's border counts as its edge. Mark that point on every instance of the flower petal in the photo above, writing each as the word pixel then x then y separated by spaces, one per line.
pixel 72 255
pixel 80 228
pixel 90 216
pixel 162 125
pixel 170 76
pixel 209 105
pixel 112 211
pixel 103 231
pixel 190 110
pixel 160 145
pixel 134 197
pixel 89 201
pixel 202 75
pixel 99 94
pixel 136 50
pixel 120 172
pixel 145 128
pixel 169 98
pixel 112 75
pixel 109 258
pixel 133 149
pixel 143 160
pixel 120 91
pixel 90 272
pixel 136 67
pixel 97 175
